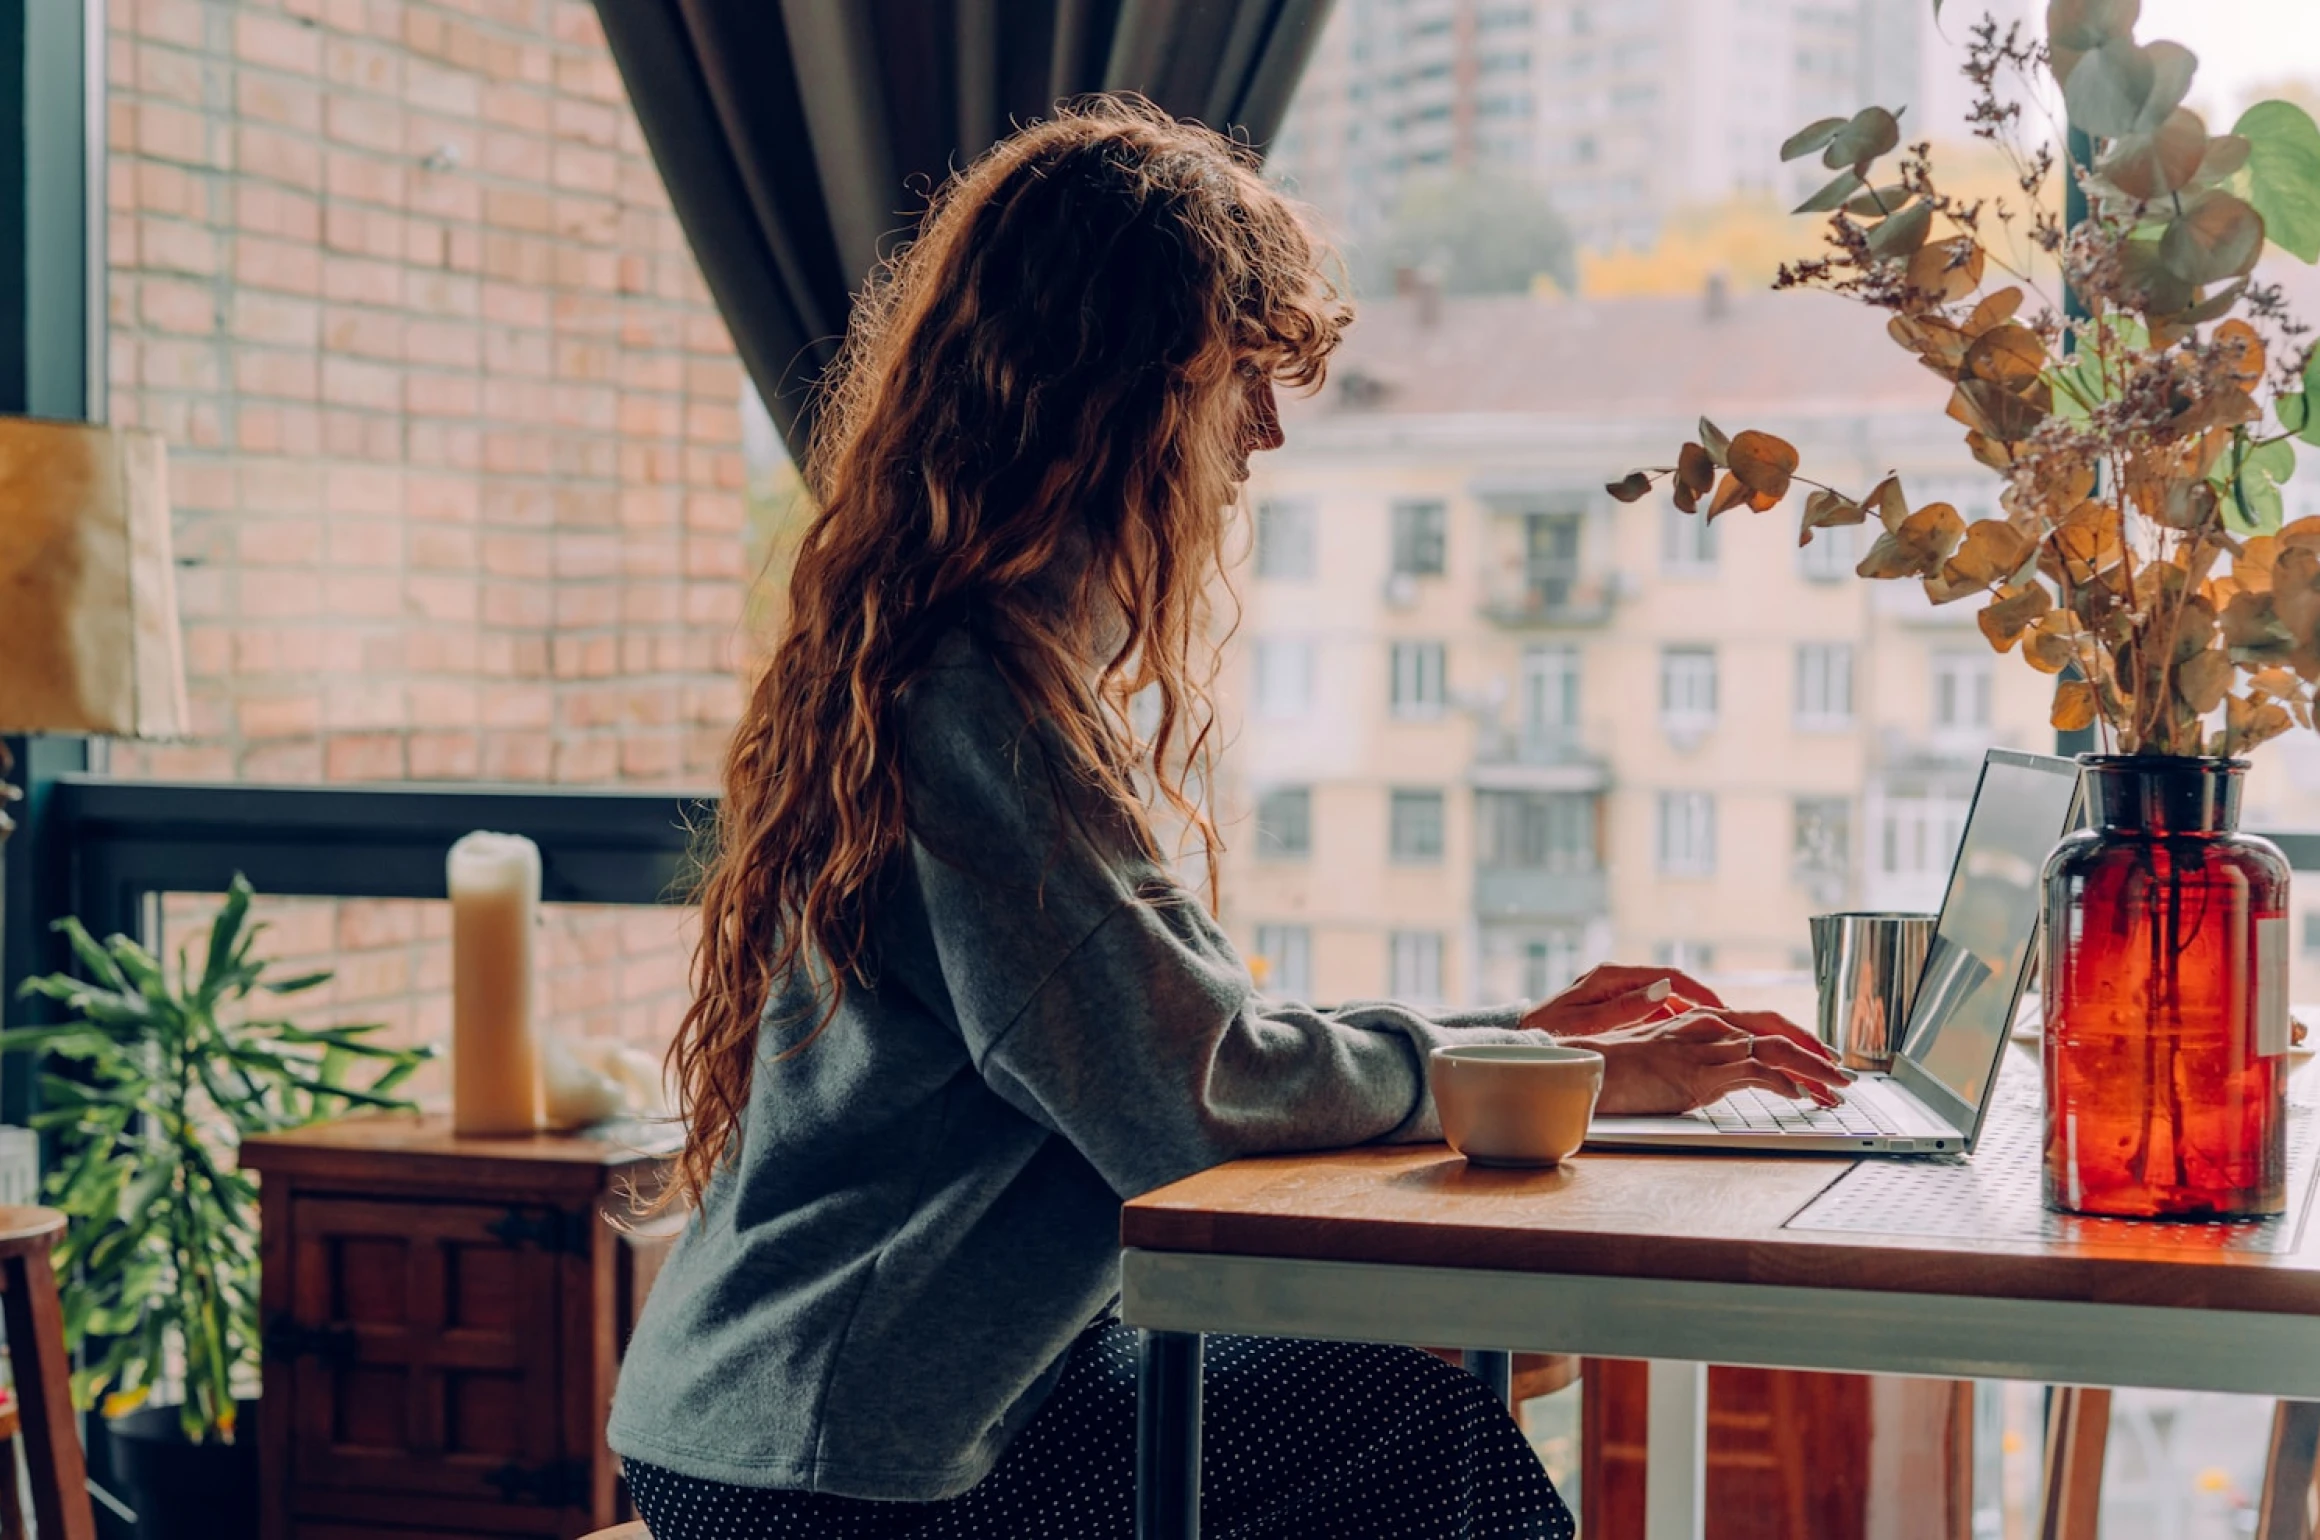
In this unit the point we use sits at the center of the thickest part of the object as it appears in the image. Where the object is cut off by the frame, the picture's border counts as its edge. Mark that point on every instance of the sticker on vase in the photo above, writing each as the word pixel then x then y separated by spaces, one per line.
pixel 2271 986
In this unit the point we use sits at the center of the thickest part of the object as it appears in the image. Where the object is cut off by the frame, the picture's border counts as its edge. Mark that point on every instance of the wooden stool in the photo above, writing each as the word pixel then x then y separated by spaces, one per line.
pixel 2078 1427
pixel 34 1320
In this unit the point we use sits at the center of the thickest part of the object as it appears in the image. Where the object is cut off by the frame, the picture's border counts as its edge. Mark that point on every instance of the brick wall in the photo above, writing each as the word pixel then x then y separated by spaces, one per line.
pixel 454 430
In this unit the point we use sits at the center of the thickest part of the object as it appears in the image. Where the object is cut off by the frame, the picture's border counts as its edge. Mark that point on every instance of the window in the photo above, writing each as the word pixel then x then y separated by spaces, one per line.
pixel 1824 686
pixel 1550 962
pixel 1687 833
pixel 1689 956
pixel 1823 843
pixel 1415 837
pixel 1284 673
pixel 1287 954
pixel 1551 558
pixel 1687 543
pixel 1962 682
pixel 1285 541
pixel 1550 694
pixel 1421 536
pixel 1417 679
pixel 2312 934
pixel 1832 556
pixel 1687 689
pixel 1915 838
pixel 1414 965
pixel 1285 824
pixel 1552 831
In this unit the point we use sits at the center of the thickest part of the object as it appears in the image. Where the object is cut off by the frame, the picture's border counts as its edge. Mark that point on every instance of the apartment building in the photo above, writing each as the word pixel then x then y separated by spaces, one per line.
pixel 1494 727
pixel 1623 110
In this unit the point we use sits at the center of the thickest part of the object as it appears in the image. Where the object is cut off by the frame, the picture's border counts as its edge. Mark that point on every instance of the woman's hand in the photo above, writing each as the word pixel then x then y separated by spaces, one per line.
pixel 1656 1062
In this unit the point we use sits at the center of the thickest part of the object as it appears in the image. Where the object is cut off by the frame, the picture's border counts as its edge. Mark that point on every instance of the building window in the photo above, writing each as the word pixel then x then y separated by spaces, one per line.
pixel 1687 689
pixel 2312 934
pixel 1687 543
pixel 1823 845
pixel 1832 556
pixel 1421 539
pixel 1824 686
pixel 1285 824
pixel 1418 689
pixel 1415 965
pixel 1688 956
pixel 1550 695
pixel 1552 831
pixel 1917 839
pixel 1962 682
pixel 1285 541
pixel 1284 670
pixel 1551 558
pixel 1687 833
pixel 1415 837
pixel 1287 954
pixel 1550 962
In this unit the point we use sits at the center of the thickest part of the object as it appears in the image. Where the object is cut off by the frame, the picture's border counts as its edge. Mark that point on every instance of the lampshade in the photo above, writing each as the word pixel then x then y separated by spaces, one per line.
pixel 88 596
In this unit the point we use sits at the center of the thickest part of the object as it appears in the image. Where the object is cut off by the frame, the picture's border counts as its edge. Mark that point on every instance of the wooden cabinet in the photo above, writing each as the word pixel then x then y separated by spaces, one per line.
pixel 443 1322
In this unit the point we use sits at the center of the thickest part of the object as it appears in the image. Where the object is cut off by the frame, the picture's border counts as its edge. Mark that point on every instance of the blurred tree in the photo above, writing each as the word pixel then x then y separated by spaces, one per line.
pixel 1474 232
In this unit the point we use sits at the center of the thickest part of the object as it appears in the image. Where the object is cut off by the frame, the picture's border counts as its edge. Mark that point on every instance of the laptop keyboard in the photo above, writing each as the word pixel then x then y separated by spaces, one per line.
pixel 1761 1112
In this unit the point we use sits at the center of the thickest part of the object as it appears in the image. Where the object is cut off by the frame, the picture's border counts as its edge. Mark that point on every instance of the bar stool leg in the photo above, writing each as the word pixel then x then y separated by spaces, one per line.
pixel 1675 1469
pixel 34 1319
pixel 2078 1425
pixel 1494 1369
pixel 1168 1435
pixel 2286 1510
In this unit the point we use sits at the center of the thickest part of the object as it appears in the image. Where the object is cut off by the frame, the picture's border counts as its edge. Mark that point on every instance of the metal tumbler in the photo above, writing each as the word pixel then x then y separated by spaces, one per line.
pixel 1867 967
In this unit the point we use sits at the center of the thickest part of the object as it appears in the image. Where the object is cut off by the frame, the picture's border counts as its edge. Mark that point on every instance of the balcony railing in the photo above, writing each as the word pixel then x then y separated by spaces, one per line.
pixel 1535 893
pixel 1549 759
pixel 1520 600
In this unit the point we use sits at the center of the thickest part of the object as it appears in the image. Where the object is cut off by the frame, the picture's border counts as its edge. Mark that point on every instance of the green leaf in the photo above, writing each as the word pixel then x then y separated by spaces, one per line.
pixel 2215 237
pixel 2107 88
pixel 1811 137
pixel 1836 193
pixel 303 981
pixel 1901 235
pixel 1869 133
pixel 2282 176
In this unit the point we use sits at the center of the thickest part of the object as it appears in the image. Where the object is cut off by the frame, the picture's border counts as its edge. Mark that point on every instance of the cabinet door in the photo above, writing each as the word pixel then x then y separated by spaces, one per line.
pixel 425 1352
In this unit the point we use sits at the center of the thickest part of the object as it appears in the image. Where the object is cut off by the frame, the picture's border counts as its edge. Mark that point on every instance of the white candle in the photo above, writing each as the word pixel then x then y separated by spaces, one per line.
pixel 495 1047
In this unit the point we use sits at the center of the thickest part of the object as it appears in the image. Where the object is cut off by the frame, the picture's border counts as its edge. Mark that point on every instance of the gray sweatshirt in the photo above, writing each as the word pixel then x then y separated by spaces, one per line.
pixel 923 1209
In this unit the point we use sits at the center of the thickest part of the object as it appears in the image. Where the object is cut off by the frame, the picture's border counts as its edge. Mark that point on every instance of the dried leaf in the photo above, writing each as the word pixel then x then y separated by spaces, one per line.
pixel 1885 501
pixel 2080 25
pixel 2055 642
pixel 1995 411
pixel 2074 706
pixel 2013 611
pixel 2251 630
pixel 1763 465
pixel 2295 596
pixel 1713 440
pixel 1813 136
pixel 2215 237
pixel 2183 505
pixel 1993 550
pixel 2009 354
pixel 1917 547
pixel 2280 682
pixel 1901 235
pixel 1695 474
pixel 1836 193
pixel 2203 679
pixel 2154 286
pixel 2214 306
pixel 2242 350
pixel 1730 494
pixel 2152 165
pixel 2247 723
pixel 1947 271
pixel 2226 153
pixel 1994 310
pixel 2303 534
pixel 1632 487
pixel 1827 510
pixel 1869 133
pixel 1938 344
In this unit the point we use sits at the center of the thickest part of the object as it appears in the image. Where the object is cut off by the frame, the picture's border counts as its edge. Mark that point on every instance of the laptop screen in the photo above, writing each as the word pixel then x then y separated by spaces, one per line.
pixel 1982 948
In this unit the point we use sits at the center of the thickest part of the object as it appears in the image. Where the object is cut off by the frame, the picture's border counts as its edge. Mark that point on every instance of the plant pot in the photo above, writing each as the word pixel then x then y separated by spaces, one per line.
pixel 2166 999
pixel 182 1490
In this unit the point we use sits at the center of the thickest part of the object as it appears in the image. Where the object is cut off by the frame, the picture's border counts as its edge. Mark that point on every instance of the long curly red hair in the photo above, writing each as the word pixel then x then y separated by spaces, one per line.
pixel 1034 429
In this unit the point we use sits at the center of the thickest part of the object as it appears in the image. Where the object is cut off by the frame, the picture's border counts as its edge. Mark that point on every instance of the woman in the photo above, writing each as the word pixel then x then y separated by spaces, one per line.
pixel 952 1004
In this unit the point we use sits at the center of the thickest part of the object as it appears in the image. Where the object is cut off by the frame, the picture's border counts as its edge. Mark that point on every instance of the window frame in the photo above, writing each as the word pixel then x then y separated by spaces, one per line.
pixel 1408 811
pixel 1420 537
pixel 1424 667
pixel 1271 848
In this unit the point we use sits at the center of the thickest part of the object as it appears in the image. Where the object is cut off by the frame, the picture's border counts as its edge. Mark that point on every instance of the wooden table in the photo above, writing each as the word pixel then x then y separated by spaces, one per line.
pixel 1684 1260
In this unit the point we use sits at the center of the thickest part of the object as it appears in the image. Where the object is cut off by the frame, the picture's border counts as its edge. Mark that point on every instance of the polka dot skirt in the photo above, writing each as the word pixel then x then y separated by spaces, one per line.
pixel 1347 1441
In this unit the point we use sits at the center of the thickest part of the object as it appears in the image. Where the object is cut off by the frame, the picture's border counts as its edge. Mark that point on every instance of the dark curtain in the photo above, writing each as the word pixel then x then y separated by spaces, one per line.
pixel 799 138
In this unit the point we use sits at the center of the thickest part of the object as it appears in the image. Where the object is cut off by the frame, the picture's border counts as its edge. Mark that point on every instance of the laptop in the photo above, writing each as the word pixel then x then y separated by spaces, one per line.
pixel 1984 947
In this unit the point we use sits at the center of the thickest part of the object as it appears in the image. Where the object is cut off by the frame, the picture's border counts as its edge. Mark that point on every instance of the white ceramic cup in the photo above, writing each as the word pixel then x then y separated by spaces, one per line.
pixel 1515 1104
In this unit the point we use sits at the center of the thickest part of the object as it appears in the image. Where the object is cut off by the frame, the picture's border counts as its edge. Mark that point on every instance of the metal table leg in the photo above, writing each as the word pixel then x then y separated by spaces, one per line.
pixel 1168 1435
pixel 1675 1472
pixel 1494 1369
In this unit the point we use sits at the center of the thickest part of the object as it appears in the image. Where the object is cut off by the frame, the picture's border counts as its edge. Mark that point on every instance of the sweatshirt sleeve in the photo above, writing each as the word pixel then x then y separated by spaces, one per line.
pixel 1149 1049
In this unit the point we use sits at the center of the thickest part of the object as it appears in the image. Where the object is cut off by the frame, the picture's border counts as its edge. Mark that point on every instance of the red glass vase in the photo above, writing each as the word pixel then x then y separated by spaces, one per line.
pixel 2166 999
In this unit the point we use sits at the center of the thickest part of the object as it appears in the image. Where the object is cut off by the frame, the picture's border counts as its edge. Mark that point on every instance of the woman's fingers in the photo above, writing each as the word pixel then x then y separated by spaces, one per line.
pixel 1585 1018
pixel 1790 1059
pixel 1773 1024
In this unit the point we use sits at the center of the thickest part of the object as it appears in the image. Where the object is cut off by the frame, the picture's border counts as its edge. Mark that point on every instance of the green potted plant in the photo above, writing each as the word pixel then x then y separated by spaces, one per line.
pixel 2142 414
pixel 159 1265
